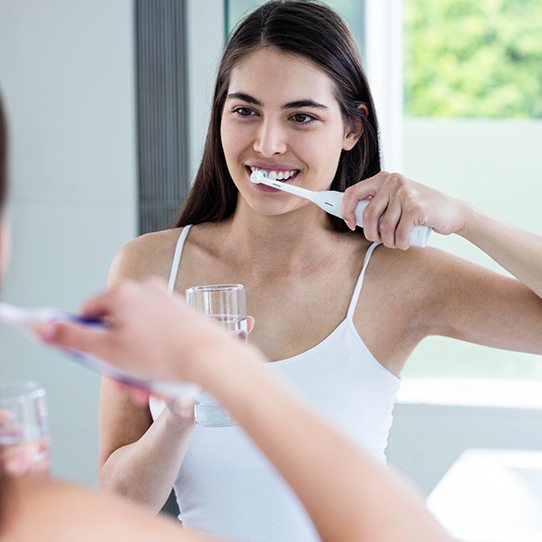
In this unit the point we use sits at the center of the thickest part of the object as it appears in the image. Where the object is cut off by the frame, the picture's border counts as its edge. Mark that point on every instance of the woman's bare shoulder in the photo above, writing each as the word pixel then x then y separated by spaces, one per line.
pixel 430 275
pixel 418 262
pixel 148 255
pixel 53 510
pixel 418 277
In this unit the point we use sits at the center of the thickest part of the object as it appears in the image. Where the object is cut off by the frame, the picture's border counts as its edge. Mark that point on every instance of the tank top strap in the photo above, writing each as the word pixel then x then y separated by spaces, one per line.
pixel 359 283
pixel 177 258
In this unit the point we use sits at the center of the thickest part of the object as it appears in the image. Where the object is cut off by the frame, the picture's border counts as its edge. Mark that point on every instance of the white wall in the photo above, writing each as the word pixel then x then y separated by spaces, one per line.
pixel 67 76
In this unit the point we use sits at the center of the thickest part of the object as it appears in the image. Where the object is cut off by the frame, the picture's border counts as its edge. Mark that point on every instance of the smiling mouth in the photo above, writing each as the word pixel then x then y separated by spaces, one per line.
pixel 276 175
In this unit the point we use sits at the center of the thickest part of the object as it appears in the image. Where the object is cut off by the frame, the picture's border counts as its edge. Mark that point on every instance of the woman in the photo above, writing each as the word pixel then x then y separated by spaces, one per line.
pixel 337 317
pixel 42 509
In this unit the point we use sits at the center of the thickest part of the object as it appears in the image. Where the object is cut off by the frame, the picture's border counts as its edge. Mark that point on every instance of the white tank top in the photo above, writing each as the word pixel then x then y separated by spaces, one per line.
pixel 226 487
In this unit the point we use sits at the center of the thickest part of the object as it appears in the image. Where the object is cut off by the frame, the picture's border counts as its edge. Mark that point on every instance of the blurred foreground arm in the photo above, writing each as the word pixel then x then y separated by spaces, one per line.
pixel 51 511
pixel 349 496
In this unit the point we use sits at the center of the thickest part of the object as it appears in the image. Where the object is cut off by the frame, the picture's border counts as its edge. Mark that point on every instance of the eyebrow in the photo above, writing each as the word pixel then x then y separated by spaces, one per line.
pixel 290 105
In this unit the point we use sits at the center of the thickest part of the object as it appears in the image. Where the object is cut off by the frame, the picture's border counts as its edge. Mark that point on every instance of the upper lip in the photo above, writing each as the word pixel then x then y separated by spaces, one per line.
pixel 272 167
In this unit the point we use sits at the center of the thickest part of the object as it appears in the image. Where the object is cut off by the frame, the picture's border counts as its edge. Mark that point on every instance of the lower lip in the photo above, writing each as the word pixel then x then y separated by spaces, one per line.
pixel 265 188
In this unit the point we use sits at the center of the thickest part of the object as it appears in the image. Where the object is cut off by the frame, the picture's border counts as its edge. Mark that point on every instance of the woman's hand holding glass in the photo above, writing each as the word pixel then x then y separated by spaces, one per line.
pixel 226 305
pixel 181 408
pixel 24 436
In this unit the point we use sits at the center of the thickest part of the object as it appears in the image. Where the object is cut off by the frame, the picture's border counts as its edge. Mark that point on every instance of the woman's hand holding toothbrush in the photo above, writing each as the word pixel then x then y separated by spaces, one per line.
pixel 397 205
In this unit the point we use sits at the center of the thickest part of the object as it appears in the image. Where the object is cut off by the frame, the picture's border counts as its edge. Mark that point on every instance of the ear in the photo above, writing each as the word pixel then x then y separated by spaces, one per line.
pixel 355 130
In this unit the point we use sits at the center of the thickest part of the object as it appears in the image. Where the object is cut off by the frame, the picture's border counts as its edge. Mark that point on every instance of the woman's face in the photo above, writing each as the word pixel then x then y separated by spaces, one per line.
pixel 281 116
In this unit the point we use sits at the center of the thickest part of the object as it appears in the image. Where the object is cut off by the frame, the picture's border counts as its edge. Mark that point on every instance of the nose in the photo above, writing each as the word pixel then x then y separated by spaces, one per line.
pixel 270 138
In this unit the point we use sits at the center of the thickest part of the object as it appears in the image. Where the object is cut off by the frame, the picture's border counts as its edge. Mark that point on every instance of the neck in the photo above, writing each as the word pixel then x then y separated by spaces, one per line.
pixel 286 242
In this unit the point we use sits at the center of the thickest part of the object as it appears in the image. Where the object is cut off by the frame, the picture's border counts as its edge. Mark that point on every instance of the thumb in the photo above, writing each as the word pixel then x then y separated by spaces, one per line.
pixel 251 321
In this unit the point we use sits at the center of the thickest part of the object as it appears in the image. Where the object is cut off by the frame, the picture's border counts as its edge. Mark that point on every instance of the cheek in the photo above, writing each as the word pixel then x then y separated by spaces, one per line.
pixel 234 139
pixel 225 132
pixel 324 150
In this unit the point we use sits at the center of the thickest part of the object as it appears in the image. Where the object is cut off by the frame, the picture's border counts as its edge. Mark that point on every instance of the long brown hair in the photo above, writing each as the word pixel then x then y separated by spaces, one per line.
pixel 311 30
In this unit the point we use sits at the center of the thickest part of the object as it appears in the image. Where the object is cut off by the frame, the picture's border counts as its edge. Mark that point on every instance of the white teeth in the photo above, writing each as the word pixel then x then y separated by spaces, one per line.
pixel 276 175
pixel 288 174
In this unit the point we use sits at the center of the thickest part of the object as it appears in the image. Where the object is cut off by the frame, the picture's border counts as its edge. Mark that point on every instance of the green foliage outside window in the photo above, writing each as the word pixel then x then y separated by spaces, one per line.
pixel 466 58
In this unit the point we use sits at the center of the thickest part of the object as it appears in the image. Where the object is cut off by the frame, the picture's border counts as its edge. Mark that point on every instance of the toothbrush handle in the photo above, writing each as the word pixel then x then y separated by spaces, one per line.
pixel 418 236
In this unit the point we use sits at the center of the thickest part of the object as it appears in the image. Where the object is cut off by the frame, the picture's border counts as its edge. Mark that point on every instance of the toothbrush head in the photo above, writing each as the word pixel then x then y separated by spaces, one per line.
pixel 258 176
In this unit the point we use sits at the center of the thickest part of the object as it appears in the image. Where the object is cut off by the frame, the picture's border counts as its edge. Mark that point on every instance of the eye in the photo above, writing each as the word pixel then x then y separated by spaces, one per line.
pixel 303 118
pixel 244 112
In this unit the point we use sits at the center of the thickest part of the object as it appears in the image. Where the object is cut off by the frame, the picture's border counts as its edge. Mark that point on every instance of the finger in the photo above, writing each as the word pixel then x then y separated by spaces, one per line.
pixel 251 322
pixel 140 397
pixel 372 214
pixel 352 195
pixel 388 223
pixel 5 417
pixel 402 233
pixel 182 409
pixel 100 305
pixel 20 459
pixel 185 407
pixel 17 466
pixel 113 300
pixel 188 413
pixel 72 335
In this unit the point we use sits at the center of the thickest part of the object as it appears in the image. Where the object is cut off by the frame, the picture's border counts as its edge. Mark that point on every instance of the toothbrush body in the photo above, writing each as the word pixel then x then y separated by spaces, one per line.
pixel 331 202
pixel 23 319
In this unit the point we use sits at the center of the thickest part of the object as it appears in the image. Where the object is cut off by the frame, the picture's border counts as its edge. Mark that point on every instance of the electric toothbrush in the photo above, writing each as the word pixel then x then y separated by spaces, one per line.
pixel 24 319
pixel 331 201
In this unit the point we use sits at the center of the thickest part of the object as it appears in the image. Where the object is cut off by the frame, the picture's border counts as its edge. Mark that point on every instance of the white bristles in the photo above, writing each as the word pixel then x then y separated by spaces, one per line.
pixel 258 176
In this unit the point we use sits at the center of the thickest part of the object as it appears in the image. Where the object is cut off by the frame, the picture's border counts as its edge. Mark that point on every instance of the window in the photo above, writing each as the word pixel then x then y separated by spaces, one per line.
pixel 472 128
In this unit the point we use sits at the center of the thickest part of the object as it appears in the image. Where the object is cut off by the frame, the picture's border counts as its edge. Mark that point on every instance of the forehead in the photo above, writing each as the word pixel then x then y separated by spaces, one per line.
pixel 273 76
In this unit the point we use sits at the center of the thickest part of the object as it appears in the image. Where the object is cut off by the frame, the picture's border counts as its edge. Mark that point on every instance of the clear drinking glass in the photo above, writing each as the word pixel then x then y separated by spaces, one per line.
pixel 24 430
pixel 225 303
